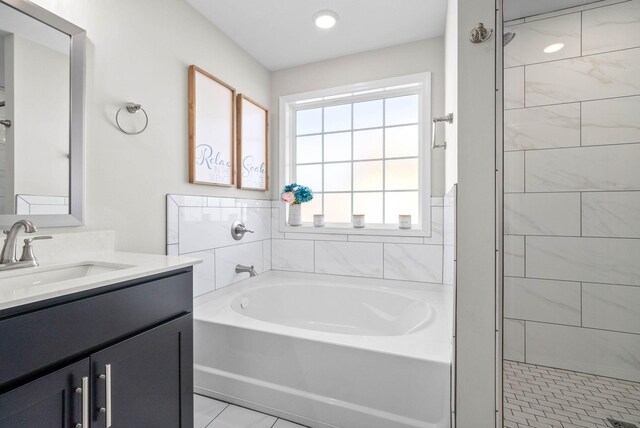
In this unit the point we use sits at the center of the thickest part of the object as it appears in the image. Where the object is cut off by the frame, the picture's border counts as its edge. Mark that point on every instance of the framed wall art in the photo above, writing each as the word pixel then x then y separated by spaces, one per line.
pixel 212 129
pixel 253 145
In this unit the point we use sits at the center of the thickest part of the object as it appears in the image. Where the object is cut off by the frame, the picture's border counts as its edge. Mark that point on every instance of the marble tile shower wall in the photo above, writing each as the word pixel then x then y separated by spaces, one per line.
pixel 405 258
pixel 200 226
pixel 572 183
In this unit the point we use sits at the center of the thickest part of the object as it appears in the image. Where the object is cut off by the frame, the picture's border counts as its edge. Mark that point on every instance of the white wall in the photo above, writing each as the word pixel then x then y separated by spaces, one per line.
pixel 410 58
pixel 451 94
pixel 139 51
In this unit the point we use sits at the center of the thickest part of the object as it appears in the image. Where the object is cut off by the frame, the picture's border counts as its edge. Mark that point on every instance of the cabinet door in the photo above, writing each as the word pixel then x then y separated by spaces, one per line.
pixel 146 381
pixel 52 401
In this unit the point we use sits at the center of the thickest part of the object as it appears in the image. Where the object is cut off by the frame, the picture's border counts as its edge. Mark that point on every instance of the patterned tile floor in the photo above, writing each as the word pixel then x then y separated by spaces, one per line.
pixel 544 397
pixel 210 413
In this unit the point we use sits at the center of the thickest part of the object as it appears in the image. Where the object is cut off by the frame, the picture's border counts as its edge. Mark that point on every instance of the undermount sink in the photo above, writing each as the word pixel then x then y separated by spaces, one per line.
pixel 41 276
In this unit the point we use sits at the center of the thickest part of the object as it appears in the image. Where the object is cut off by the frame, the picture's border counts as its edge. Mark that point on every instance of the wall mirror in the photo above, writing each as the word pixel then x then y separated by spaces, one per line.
pixel 42 84
pixel 253 145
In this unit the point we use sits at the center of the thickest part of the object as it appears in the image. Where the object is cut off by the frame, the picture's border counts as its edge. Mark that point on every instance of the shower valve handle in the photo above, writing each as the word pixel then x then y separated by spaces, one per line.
pixel 238 230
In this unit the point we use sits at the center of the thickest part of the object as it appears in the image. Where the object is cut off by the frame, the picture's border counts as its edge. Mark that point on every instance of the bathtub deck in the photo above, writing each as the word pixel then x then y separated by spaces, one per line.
pixel 210 413
pixel 546 397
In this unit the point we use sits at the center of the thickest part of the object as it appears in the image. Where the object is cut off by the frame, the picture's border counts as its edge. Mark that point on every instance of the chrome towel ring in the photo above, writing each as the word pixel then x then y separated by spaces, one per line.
pixel 133 109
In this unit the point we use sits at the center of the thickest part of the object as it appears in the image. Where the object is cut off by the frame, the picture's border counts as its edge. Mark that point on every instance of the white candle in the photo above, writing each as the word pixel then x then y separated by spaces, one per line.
pixel 404 221
pixel 358 221
pixel 318 220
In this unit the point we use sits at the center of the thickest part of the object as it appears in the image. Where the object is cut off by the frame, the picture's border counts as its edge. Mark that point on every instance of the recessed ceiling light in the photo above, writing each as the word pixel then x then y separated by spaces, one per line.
pixel 325 19
pixel 553 48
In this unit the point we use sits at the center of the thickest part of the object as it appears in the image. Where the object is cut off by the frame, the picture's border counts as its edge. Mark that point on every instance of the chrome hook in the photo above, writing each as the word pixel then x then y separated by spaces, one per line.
pixel 480 34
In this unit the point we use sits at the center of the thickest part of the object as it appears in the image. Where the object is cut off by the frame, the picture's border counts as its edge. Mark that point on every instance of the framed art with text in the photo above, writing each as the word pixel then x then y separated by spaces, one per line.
pixel 253 145
pixel 212 129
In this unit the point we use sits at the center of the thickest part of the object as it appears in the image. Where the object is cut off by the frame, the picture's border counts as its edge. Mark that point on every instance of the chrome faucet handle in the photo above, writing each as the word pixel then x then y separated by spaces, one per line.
pixel 27 249
pixel 37 238
pixel 238 230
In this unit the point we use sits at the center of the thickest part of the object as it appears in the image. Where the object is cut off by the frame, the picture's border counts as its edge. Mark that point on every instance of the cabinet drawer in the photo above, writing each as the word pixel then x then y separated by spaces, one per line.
pixel 46 337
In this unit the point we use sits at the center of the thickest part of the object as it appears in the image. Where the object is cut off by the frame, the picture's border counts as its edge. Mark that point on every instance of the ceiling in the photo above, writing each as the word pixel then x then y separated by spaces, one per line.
pixel 281 34
pixel 515 9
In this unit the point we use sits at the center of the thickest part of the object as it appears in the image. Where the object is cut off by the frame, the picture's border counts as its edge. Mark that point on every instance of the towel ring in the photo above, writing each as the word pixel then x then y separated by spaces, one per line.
pixel 132 108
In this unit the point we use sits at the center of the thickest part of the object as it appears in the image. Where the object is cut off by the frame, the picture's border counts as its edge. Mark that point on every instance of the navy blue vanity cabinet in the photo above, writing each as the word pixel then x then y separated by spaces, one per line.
pixel 119 356
pixel 51 401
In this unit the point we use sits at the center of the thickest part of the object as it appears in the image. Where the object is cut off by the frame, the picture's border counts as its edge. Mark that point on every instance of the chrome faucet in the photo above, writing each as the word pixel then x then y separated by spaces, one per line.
pixel 249 269
pixel 8 258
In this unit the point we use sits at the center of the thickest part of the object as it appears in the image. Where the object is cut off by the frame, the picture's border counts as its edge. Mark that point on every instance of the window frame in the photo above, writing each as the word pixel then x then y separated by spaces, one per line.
pixel 419 84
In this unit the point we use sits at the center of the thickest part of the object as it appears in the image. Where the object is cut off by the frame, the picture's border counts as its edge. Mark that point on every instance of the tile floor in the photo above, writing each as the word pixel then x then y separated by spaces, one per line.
pixel 210 413
pixel 544 397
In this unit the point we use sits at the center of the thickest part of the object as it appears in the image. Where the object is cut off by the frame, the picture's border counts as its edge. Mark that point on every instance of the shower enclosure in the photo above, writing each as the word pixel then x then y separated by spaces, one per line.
pixel 571 218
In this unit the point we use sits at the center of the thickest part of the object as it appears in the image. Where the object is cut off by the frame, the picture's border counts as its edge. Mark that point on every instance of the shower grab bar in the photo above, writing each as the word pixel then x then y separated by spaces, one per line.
pixel 448 119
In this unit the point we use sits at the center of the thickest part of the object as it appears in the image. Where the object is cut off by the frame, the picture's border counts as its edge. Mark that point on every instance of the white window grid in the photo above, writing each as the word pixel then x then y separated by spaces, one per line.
pixel 383 190
pixel 418 84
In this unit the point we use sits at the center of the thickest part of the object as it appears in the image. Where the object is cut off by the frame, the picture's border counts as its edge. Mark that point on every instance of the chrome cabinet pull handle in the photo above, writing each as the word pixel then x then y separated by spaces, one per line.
pixel 85 403
pixel 107 387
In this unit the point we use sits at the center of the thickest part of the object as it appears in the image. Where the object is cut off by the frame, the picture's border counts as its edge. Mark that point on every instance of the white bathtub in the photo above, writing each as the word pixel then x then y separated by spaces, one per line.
pixel 328 351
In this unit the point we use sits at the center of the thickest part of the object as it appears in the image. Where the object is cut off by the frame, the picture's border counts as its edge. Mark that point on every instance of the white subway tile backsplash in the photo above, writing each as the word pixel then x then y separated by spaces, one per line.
pixel 600 260
pixel 513 255
pixel 206 228
pixel 258 220
pixel 514 88
pixel 611 214
pixel 189 201
pixel 514 340
pixel 542 127
pixel 227 258
pixel 275 223
pixel 287 254
pixel 173 220
pixel 612 121
pixel 203 273
pixel 389 239
pixel 266 255
pixel 611 307
pixel 583 169
pixel 542 214
pixel 611 28
pixel 513 172
pixel 437 227
pixel 582 349
pixel 606 75
pixel 315 236
pixel 349 258
pixel 532 37
pixel 449 264
pixel 413 262
pixel 221 202
pixel 542 300
pixel 203 225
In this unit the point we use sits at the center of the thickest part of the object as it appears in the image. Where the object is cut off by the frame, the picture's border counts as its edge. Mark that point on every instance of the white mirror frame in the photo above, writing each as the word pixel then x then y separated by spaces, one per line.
pixel 78 38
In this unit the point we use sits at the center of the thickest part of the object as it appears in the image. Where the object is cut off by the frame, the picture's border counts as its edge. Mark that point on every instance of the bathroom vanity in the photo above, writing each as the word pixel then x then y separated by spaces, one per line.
pixel 112 348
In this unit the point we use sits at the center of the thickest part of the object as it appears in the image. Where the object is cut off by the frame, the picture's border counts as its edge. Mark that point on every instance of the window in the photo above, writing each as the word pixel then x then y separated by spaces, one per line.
pixel 362 150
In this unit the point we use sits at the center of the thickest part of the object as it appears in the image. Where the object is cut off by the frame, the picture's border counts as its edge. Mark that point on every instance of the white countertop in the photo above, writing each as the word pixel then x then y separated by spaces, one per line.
pixel 13 291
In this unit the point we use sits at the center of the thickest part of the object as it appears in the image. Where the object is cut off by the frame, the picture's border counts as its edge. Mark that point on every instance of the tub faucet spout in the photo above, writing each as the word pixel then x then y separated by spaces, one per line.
pixel 250 269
